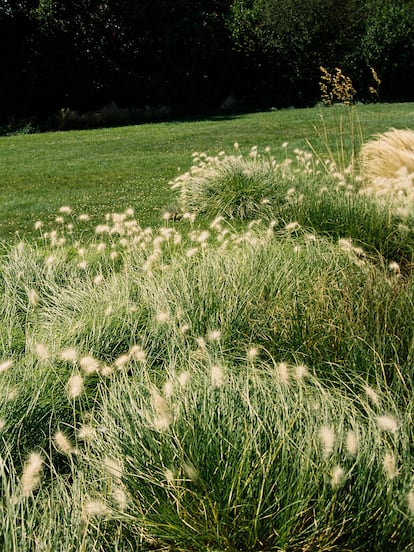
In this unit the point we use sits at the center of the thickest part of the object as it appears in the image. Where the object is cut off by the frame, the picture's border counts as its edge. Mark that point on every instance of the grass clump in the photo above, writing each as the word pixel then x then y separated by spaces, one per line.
pixel 208 388
pixel 302 190
pixel 229 186
pixel 258 457
pixel 238 380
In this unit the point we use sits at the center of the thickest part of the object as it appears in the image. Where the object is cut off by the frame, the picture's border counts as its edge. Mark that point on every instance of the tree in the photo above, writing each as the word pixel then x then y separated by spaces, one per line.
pixel 292 39
pixel 388 46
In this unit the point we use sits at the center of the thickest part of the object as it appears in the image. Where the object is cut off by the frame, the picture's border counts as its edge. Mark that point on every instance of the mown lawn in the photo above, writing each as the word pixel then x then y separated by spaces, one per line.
pixel 98 171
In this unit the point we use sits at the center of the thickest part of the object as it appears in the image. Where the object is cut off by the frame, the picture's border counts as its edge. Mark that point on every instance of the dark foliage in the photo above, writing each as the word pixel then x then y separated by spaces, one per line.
pixel 184 57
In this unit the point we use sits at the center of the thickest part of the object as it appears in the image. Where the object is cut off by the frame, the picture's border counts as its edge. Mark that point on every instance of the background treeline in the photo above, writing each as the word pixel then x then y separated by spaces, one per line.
pixel 151 58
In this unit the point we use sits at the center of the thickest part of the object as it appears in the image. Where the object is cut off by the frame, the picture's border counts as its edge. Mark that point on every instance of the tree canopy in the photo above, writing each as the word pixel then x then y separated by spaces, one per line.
pixel 192 55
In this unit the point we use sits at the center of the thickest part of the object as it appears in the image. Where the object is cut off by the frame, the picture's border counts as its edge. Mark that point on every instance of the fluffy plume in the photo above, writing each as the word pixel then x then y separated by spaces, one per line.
pixel 94 508
pixel 113 467
pixel 337 477
pixel 327 437
pixel 389 465
pixel 42 352
pixel 120 498
pixel 5 365
pixel 69 355
pixel 89 364
pixel 386 153
pixel 32 472
pixel 33 297
pixel 216 374
pixel 352 443
pixel 387 423
pixel 63 444
pixel 410 502
pixel 75 386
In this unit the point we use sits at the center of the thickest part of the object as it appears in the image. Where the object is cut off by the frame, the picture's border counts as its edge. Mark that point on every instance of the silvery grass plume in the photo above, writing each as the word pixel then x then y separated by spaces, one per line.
pixel 387 166
pixel 387 153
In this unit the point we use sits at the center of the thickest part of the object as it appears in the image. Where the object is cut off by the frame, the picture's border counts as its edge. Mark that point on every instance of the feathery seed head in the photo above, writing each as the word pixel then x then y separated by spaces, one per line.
pixel 75 386
pixel 98 280
pixel 191 252
pixel 371 395
pixel 216 375
pixel 120 498
pixel 113 467
pixel 162 418
pixel 63 444
pixel 301 372
pixel 387 423
pixel 102 229
pixel 201 342
pixel 106 370
pixel 86 433
pixel 5 365
pixel 394 268
pixel 352 443
pixel 32 472
pixel 283 372
pixel 214 335
pixel 42 352
pixel 94 508
pixel 12 393
pixel 168 389
pixel 162 423
pixel 190 472
pixel 327 437
pixel 337 477
pixel 252 353
pixel 183 378
pixel 33 297
pixel 122 361
pixel 162 317
pixel 389 465
pixel 410 502
pixel 169 476
pixel 65 210
pixel 89 364
pixel 203 236
pixel 292 226
pixel 69 355
pixel 137 353
pixel 216 224
pixel 159 403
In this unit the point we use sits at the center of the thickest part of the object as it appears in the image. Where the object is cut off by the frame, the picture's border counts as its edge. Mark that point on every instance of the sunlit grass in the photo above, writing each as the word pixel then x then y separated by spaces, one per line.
pixel 232 371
